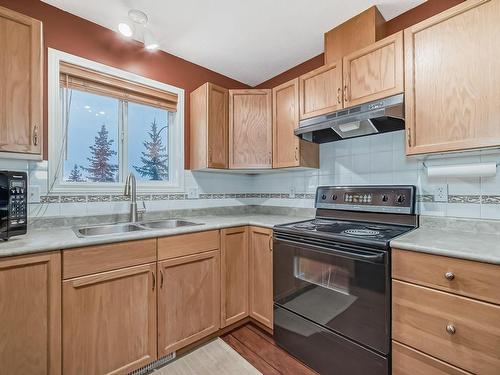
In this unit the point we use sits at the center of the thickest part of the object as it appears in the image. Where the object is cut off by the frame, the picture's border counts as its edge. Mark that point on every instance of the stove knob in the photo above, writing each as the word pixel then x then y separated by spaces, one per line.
pixel 400 199
pixel 323 196
pixel 385 198
pixel 334 197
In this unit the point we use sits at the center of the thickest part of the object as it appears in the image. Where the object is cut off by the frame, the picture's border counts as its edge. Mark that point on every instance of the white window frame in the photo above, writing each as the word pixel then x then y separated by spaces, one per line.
pixel 56 184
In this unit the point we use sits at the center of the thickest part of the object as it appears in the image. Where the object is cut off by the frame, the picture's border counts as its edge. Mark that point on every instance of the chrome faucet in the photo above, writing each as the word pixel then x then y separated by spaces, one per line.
pixel 131 191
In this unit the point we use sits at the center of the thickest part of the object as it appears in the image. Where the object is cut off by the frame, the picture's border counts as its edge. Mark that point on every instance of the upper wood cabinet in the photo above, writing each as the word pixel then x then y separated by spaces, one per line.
pixel 250 129
pixel 234 275
pixel 452 79
pixel 288 149
pixel 21 64
pixel 261 275
pixel 209 127
pixel 320 91
pixel 374 72
pixel 30 314
pixel 188 300
pixel 109 321
pixel 358 32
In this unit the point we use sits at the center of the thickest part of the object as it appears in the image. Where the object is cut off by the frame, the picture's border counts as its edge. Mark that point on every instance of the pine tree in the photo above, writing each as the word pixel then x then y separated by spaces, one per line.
pixel 75 175
pixel 154 159
pixel 100 169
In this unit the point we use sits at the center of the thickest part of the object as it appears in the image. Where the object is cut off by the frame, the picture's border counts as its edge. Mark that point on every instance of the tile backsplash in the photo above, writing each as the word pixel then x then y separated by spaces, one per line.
pixel 377 159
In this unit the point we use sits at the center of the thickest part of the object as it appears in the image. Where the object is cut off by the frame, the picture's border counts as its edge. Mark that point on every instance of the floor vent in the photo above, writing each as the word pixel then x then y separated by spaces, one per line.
pixel 154 365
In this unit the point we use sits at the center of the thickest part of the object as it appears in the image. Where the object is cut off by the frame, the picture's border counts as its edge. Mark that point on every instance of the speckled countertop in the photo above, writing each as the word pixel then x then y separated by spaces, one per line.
pixel 477 240
pixel 46 239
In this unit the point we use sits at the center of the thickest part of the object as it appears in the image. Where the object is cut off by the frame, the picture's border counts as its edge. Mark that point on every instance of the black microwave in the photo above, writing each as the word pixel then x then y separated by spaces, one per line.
pixel 13 204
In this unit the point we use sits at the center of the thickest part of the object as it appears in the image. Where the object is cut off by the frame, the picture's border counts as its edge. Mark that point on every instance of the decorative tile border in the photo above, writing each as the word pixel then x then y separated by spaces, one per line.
pixel 423 198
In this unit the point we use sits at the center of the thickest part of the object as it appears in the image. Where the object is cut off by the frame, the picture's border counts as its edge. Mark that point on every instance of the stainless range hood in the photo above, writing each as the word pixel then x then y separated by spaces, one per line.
pixel 379 116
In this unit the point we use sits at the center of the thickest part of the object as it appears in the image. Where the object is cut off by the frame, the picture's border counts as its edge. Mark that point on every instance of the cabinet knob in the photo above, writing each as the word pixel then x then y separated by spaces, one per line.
pixel 451 329
pixel 449 276
pixel 339 100
pixel 271 243
pixel 296 154
pixel 35 135
pixel 345 93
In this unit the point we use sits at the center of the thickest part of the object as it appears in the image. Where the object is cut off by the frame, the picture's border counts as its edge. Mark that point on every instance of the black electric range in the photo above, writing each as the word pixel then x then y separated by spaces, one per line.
pixel 331 278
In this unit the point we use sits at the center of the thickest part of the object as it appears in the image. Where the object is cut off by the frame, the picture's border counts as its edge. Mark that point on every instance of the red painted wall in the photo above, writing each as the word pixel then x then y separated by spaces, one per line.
pixel 68 33
pixel 411 17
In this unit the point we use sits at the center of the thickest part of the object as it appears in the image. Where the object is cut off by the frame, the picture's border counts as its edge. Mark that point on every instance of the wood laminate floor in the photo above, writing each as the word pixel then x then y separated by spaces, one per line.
pixel 260 350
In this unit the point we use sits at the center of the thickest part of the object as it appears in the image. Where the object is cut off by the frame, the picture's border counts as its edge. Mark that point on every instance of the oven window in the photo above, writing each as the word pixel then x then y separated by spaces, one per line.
pixel 326 275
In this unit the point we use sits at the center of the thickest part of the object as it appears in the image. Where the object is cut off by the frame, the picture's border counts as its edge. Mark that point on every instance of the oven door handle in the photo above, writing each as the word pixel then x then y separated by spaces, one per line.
pixel 338 250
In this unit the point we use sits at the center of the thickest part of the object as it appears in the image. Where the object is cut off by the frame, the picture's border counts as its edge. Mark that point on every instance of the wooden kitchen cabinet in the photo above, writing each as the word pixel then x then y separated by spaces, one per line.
pixel 288 149
pixel 452 79
pixel 261 275
pixel 188 300
pixel 374 72
pixel 320 91
pixel 209 127
pixel 250 129
pixel 21 65
pixel 109 321
pixel 30 314
pixel 234 275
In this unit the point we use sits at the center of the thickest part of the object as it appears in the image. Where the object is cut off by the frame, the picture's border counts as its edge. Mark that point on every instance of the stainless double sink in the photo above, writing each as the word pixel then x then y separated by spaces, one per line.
pixel 110 229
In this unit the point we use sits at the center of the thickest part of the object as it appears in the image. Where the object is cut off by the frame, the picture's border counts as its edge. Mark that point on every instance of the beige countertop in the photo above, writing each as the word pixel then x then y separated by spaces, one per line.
pixel 46 239
pixel 477 240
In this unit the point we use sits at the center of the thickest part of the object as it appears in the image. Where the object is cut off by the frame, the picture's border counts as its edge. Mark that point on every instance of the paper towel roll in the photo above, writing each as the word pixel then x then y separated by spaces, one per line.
pixel 463 170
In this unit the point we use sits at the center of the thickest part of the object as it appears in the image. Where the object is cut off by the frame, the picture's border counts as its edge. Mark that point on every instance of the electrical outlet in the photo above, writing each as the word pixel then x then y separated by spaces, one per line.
pixel 440 193
pixel 34 193
pixel 193 193
pixel 292 192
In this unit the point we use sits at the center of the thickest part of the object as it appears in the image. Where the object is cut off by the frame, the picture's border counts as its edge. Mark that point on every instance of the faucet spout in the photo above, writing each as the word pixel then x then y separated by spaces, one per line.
pixel 131 191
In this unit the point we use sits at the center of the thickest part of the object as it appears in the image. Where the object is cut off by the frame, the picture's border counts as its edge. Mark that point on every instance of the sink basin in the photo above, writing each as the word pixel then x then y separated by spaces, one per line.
pixel 166 224
pixel 106 230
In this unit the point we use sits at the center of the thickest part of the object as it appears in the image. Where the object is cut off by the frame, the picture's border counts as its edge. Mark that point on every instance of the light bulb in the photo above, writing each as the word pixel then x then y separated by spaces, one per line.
pixel 125 29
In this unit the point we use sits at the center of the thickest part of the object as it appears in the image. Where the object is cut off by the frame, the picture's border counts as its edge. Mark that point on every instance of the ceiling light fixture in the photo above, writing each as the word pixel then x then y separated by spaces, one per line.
pixel 138 18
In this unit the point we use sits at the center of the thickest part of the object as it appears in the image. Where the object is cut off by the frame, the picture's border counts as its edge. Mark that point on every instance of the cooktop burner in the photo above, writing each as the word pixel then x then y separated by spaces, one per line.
pixel 361 232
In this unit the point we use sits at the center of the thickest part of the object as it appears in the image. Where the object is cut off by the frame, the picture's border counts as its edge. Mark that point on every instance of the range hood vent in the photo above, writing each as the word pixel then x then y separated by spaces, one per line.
pixel 375 117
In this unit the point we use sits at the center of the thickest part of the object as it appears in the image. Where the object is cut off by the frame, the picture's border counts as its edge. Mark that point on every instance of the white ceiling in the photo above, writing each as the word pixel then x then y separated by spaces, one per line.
pixel 248 40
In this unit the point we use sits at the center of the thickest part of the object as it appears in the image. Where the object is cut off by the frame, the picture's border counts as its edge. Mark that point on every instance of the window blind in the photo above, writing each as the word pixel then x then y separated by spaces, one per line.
pixel 83 79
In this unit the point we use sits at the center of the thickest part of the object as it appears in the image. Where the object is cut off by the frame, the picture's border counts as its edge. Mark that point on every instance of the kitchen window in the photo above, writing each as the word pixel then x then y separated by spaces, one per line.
pixel 107 123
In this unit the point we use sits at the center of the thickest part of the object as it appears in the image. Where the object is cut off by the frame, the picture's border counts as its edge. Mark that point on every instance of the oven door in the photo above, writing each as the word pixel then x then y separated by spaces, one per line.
pixel 339 287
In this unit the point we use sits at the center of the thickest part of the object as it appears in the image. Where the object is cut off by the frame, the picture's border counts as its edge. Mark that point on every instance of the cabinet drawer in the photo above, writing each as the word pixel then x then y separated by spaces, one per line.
pixel 95 259
pixel 187 244
pixel 408 361
pixel 422 319
pixel 465 277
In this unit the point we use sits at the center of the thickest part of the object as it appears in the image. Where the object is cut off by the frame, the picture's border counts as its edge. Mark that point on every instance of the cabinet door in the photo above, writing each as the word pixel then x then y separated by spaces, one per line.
pixel 30 315
pixel 234 275
pixel 320 91
pixel 288 149
pixel 188 300
pixel 374 72
pixel 218 117
pixel 21 88
pixel 109 321
pixel 261 275
pixel 250 129
pixel 452 79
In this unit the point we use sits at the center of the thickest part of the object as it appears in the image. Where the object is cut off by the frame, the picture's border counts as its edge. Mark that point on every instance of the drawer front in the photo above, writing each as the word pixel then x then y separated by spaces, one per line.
pixel 464 277
pixel 187 244
pixel 95 259
pixel 425 319
pixel 408 361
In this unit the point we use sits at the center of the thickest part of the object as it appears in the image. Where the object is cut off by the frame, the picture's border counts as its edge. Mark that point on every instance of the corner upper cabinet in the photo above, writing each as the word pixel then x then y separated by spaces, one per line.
pixel 209 127
pixel 374 72
pixel 21 101
pixel 30 314
pixel 452 79
pixel 288 149
pixel 320 91
pixel 250 129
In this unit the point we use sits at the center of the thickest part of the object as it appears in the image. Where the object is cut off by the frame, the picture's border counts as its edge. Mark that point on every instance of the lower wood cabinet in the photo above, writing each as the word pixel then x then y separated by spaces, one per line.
pixel 109 321
pixel 188 300
pixel 261 275
pixel 30 315
pixel 234 275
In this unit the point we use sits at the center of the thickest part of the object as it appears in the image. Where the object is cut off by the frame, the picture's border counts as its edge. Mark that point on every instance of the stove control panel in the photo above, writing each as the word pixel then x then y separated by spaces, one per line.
pixel 392 199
